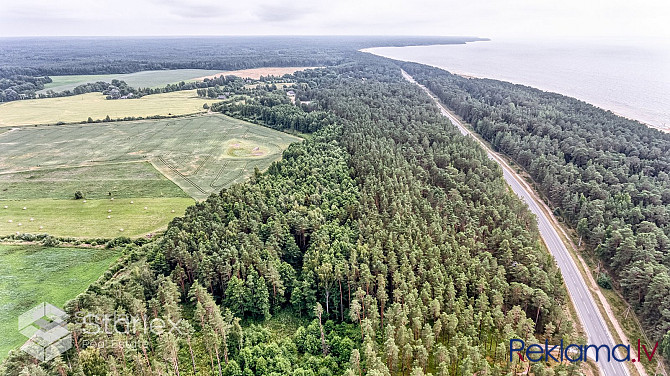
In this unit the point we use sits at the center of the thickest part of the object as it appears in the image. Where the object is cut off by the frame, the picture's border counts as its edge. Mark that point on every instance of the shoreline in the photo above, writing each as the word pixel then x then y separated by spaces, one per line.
pixel 617 112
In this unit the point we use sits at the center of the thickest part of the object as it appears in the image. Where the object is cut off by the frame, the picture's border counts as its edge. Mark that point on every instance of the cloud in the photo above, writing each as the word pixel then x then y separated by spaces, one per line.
pixel 281 13
pixel 197 8
pixel 490 18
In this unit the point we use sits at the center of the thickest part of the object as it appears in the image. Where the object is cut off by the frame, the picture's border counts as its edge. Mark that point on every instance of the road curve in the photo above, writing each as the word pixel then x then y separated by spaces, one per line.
pixel 593 322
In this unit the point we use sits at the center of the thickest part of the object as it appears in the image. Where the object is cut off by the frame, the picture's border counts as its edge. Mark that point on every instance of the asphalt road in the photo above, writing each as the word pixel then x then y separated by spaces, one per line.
pixel 593 322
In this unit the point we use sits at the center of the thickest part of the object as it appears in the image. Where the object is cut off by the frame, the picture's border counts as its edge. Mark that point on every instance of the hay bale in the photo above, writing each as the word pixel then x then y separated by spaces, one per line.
pixel 121 230
pixel 132 202
pixel 24 208
pixel 109 211
pixel 145 208
pixel 6 206
pixel 109 216
pixel 10 221
pixel 32 219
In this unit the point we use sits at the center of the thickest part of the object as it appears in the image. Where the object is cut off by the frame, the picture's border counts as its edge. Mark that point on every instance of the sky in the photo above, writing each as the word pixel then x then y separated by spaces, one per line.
pixel 483 18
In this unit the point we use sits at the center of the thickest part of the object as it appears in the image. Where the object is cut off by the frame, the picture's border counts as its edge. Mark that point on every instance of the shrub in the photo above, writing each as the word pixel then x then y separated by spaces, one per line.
pixel 604 281
pixel 50 241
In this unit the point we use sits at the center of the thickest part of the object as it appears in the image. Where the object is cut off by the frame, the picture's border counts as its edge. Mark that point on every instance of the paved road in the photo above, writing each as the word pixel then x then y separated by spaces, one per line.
pixel 588 312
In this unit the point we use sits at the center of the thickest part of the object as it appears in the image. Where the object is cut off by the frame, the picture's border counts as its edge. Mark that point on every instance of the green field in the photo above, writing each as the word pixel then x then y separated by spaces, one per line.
pixel 76 218
pixel 157 78
pixel 42 167
pixel 101 181
pixel 30 275
pixel 79 108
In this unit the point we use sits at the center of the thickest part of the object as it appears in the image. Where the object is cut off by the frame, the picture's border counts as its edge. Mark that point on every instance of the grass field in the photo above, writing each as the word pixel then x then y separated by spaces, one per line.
pixel 42 167
pixel 80 107
pixel 76 218
pixel 160 78
pixel 156 78
pixel 256 73
pixel 30 275
pixel 122 180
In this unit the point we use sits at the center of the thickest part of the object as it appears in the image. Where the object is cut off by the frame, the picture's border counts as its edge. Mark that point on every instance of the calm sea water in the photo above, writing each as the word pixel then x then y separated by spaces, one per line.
pixel 630 78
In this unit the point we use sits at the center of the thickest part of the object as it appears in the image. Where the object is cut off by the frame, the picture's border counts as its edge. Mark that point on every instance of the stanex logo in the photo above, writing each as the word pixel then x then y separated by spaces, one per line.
pixel 47 333
pixel 577 353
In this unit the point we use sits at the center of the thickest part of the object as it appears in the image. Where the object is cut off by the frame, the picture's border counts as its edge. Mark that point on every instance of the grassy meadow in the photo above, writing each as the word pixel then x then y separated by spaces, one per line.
pixel 161 164
pixel 101 181
pixel 104 218
pixel 155 78
pixel 160 78
pixel 79 108
pixel 31 274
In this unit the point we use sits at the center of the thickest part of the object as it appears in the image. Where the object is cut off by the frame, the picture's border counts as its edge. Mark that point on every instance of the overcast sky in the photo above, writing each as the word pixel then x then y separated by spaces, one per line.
pixel 485 18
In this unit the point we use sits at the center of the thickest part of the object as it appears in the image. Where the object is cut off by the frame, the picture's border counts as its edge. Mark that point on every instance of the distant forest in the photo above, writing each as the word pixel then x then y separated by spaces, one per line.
pixel 26 63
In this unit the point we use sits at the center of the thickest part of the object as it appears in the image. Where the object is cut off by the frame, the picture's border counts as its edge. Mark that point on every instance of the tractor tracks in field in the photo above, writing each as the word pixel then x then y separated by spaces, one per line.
pixel 186 178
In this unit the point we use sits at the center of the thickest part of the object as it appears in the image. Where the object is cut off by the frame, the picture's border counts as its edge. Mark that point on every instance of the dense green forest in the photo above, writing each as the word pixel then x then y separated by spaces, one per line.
pixel 386 243
pixel 26 63
pixel 608 176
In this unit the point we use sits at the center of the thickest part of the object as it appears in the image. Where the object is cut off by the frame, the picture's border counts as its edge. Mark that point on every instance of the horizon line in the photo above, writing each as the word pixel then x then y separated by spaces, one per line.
pixel 244 35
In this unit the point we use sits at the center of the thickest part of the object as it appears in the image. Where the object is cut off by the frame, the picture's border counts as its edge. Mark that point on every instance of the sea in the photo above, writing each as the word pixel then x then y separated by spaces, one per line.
pixel 630 77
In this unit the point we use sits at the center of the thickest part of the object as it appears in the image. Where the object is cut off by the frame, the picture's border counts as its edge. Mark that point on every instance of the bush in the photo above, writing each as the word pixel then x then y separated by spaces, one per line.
pixel 121 240
pixel 50 241
pixel 604 281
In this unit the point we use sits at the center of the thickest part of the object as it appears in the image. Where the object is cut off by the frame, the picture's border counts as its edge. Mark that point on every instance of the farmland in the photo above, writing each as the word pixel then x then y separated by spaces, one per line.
pixel 256 73
pixel 42 167
pixel 30 275
pixel 159 78
pixel 155 78
pixel 79 108
pixel 91 219
pixel 120 180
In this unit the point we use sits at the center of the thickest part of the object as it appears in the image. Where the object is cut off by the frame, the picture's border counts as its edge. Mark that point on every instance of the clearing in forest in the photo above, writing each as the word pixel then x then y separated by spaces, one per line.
pixel 152 79
pixel 161 78
pixel 256 73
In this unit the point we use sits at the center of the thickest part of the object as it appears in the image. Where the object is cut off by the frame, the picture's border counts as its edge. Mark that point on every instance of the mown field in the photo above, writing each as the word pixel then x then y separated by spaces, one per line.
pixel 42 167
pixel 30 275
pixel 256 73
pixel 156 78
pixel 79 108
pixel 97 181
pixel 104 218
pixel 160 78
